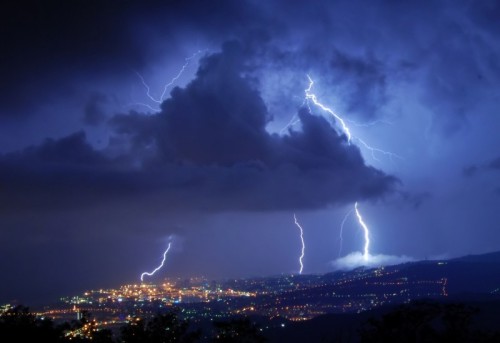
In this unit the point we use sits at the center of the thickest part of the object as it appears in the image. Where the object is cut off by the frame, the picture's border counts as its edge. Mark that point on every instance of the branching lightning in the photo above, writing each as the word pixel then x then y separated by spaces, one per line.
pixel 366 252
pixel 303 244
pixel 314 99
pixel 343 126
pixel 160 266
pixel 310 96
pixel 161 98
pixel 345 129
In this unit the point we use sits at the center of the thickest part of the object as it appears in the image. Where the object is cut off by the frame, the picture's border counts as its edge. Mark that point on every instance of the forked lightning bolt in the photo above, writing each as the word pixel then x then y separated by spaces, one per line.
pixel 303 244
pixel 310 96
pixel 160 266
pixel 314 99
pixel 366 253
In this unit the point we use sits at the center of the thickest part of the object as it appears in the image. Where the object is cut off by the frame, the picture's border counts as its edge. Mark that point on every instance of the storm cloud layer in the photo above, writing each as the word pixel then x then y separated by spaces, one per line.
pixel 208 149
pixel 450 54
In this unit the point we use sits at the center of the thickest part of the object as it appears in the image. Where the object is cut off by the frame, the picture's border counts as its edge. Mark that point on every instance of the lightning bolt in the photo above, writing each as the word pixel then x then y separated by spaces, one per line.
pixel 303 244
pixel 309 96
pixel 160 266
pixel 161 98
pixel 314 99
pixel 342 230
pixel 366 252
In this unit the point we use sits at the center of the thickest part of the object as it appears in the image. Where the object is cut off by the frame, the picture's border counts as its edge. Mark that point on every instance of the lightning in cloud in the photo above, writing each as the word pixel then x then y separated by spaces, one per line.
pixel 160 266
pixel 303 244
pixel 314 99
pixel 366 252
pixel 294 120
pixel 161 98
pixel 310 96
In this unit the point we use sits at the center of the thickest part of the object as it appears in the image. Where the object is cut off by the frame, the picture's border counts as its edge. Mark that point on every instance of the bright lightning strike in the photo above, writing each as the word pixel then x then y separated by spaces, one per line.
pixel 160 266
pixel 313 98
pixel 303 244
pixel 366 252
pixel 358 259
pixel 345 129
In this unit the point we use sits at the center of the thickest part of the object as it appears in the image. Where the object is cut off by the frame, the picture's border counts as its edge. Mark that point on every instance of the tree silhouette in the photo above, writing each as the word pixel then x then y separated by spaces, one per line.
pixel 426 321
pixel 134 331
pixel 20 325
pixel 237 330
pixel 163 328
pixel 103 336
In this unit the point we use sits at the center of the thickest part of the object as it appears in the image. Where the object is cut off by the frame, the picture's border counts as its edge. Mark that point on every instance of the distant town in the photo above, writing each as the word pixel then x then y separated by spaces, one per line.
pixel 282 299
pixel 291 297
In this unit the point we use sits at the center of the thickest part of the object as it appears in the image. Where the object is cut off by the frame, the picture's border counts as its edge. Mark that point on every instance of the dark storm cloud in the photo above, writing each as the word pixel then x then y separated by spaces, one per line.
pixel 449 56
pixel 457 58
pixel 359 48
pixel 68 151
pixel 49 46
pixel 46 44
pixel 93 113
pixel 208 149
pixel 365 80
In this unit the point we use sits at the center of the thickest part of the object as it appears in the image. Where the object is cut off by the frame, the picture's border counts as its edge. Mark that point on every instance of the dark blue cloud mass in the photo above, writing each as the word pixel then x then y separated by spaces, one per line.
pixel 207 149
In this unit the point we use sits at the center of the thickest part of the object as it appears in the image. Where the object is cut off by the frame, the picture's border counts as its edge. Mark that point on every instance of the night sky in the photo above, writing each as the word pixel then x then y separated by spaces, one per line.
pixel 98 174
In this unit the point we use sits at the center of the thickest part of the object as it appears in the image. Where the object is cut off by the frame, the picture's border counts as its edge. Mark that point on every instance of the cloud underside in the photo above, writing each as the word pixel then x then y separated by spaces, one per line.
pixel 206 149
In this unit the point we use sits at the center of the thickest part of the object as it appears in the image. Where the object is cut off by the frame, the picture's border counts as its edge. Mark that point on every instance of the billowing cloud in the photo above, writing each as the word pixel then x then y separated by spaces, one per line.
pixel 48 46
pixel 208 149
pixel 364 80
pixel 94 113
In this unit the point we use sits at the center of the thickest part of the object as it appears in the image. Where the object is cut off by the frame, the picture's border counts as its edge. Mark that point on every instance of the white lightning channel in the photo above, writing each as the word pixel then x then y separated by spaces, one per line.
pixel 314 99
pixel 160 266
pixel 303 244
pixel 366 252
pixel 309 95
